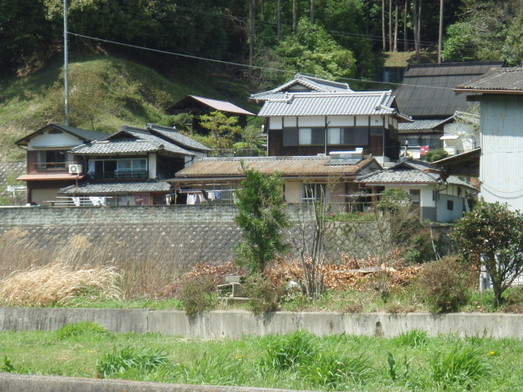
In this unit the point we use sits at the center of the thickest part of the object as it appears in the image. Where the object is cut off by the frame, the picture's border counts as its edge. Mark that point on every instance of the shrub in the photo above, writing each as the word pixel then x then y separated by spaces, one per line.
pixel 462 365
pixel 445 284
pixel 197 294
pixel 492 234
pixel 145 360
pixel 435 155
pixel 420 249
pixel 288 351
pixel 80 329
pixel 264 295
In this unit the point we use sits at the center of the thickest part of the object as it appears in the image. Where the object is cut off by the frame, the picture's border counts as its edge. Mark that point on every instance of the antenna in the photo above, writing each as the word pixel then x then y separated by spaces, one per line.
pixel 66 67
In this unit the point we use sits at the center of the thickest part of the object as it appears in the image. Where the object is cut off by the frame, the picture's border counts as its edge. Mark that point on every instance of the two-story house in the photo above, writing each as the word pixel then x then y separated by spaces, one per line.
pixel 129 166
pixel 500 94
pixel 319 123
pixel 49 158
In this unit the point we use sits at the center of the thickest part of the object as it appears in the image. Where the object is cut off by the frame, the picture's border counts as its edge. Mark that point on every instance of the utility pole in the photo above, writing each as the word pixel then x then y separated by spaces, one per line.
pixel 440 38
pixel 66 67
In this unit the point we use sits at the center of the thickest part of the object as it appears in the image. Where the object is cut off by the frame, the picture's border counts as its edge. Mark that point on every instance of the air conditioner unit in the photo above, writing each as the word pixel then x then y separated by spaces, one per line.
pixel 75 168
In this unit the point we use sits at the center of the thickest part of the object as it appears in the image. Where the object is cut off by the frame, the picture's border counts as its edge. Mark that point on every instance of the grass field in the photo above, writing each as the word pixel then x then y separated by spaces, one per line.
pixel 410 362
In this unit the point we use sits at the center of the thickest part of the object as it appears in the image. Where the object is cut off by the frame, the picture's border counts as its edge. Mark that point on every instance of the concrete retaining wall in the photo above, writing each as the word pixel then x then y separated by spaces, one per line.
pixel 232 324
pixel 22 383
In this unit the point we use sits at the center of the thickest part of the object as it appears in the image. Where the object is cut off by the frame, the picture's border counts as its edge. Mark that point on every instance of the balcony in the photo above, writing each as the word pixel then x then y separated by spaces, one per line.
pixel 120 175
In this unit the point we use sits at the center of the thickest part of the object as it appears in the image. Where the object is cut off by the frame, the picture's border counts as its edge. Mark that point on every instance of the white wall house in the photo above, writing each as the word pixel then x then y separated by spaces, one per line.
pixel 500 94
pixel 437 200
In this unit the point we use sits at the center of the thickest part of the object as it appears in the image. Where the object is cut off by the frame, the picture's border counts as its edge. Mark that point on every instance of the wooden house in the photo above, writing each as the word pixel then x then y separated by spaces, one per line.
pixel 50 164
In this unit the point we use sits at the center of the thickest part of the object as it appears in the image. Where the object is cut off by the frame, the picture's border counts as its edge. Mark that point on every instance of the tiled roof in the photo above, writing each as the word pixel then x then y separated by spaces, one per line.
pixel 137 141
pixel 173 134
pixel 427 90
pixel 297 166
pixel 115 188
pixel 409 172
pixel 502 80
pixel 331 104
pixel 83 134
pixel 421 125
pixel 302 83
pixel 116 147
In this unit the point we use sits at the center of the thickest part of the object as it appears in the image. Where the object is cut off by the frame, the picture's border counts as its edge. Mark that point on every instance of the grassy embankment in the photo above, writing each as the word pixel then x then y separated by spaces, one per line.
pixel 105 93
pixel 410 362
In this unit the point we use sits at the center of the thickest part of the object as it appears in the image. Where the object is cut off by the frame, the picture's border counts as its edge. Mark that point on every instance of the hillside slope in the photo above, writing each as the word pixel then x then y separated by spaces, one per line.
pixel 105 93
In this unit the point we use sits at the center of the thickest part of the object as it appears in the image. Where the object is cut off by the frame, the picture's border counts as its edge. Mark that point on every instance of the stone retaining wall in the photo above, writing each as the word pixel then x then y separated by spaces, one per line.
pixel 195 234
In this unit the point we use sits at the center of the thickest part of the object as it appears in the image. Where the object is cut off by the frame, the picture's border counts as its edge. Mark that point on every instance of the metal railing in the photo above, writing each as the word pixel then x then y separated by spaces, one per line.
pixel 120 174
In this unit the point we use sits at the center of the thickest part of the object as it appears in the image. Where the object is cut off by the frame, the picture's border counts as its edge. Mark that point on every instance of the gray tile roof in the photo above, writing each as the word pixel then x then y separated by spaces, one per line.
pixel 116 188
pixel 427 90
pixel 178 137
pixel 422 125
pixel 330 104
pixel 302 83
pixel 409 172
pixel 106 147
pixel 137 141
pixel 504 79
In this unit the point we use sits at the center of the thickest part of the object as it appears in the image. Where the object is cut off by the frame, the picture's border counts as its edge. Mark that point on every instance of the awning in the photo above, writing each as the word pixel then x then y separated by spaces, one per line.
pixel 49 177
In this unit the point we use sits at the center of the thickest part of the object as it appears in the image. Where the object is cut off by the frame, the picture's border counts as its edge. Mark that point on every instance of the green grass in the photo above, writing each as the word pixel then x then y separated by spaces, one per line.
pixel 105 93
pixel 338 362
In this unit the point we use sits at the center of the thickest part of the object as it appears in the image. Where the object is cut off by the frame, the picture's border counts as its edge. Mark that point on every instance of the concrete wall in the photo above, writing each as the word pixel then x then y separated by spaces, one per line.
pixel 24 383
pixel 233 324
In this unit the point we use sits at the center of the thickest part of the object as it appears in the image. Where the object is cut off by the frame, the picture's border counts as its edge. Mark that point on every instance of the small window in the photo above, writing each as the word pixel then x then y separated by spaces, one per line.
pixel 415 195
pixel 312 192
pixel 450 205
pixel 290 136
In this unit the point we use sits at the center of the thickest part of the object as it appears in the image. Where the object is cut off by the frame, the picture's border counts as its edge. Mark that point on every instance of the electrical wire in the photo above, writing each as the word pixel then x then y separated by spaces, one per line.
pixel 257 67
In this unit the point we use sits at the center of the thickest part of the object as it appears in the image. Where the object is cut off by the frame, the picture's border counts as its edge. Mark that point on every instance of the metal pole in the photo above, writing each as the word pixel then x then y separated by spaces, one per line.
pixel 66 67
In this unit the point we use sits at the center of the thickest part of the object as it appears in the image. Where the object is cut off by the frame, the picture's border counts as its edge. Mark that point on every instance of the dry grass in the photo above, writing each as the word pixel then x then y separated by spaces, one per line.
pixel 58 283
pixel 145 267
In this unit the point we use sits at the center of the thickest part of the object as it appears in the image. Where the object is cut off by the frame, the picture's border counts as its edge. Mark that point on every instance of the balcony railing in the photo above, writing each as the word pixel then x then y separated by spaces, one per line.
pixel 120 174
pixel 42 166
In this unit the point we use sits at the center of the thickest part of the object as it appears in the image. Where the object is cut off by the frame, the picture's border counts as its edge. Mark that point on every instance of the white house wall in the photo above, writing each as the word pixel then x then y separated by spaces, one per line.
pixel 54 140
pixel 293 192
pixel 501 173
pixel 313 121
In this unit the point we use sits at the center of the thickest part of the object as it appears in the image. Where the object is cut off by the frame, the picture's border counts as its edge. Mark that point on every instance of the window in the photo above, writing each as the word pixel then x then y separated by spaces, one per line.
pixel 356 136
pixel 312 192
pixel 53 159
pixel 450 205
pixel 121 168
pixel 415 195
pixel 311 136
pixel 290 136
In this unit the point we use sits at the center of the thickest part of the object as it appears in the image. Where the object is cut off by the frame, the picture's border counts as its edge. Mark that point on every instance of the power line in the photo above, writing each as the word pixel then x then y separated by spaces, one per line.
pixel 335 32
pixel 257 67
pixel 189 56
